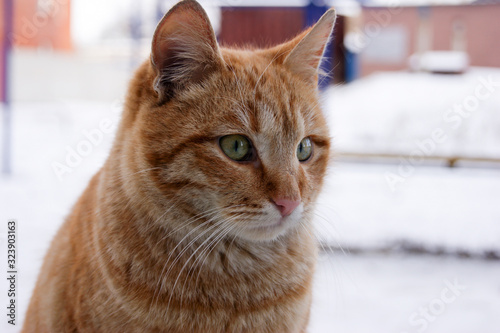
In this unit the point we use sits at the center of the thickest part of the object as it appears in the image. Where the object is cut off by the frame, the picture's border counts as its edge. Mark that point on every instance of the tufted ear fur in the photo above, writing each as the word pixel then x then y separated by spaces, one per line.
pixel 305 57
pixel 184 48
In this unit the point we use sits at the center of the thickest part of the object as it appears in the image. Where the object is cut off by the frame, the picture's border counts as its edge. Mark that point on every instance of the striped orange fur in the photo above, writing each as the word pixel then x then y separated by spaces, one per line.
pixel 172 235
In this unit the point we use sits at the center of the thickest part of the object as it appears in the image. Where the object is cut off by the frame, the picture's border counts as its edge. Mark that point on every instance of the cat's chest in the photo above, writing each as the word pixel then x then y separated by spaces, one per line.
pixel 243 291
pixel 276 297
pixel 240 277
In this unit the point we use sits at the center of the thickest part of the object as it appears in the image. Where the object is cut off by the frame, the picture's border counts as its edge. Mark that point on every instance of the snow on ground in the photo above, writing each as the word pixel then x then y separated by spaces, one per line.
pixel 405 294
pixel 451 209
pixel 454 210
pixel 34 195
pixel 397 112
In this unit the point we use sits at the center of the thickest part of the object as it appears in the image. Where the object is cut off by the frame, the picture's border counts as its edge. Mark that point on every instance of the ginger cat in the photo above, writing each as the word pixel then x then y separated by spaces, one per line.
pixel 200 219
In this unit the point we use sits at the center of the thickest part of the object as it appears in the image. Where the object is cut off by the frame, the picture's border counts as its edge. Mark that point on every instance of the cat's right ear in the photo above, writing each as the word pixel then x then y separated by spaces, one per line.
pixel 184 48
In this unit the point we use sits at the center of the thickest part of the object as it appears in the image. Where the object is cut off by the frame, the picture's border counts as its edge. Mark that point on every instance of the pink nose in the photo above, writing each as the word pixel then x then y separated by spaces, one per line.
pixel 286 206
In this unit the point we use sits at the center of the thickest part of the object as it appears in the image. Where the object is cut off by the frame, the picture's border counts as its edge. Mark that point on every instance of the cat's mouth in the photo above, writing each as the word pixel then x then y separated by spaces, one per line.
pixel 273 225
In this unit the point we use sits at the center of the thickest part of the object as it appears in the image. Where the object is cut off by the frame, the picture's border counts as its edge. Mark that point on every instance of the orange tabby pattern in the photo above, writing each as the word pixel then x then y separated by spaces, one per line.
pixel 200 219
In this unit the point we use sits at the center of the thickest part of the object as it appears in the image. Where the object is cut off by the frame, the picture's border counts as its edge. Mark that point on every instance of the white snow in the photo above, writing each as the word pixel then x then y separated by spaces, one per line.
pixel 405 294
pixel 396 112
pixel 435 208
pixel 407 201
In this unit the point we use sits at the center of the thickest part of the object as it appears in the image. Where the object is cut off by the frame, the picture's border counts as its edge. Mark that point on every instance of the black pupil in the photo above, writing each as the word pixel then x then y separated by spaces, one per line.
pixel 236 145
pixel 300 147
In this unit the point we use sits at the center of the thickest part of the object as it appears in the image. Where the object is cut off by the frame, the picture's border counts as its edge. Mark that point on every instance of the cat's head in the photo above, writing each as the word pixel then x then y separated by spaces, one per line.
pixel 233 138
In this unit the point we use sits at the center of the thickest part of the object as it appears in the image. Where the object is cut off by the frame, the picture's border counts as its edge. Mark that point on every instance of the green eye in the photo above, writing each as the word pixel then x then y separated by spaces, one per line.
pixel 236 147
pixel 304 150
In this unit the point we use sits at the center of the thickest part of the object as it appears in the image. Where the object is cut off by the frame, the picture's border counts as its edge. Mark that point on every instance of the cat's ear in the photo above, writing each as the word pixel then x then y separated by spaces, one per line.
pixel 305 57
pixel 184 48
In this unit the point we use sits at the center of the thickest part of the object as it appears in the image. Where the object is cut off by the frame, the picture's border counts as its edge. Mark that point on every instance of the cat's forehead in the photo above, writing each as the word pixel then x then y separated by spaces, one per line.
pixel 272 114
pixel 257 97
pixel 270 100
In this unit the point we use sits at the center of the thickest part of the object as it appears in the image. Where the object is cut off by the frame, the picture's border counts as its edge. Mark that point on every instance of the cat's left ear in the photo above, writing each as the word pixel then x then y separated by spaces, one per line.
pixel 184 48
pixel 305 57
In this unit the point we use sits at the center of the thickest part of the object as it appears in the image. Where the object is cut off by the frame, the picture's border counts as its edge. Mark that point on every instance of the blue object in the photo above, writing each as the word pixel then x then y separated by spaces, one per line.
pixel 351 66
pixel 313 11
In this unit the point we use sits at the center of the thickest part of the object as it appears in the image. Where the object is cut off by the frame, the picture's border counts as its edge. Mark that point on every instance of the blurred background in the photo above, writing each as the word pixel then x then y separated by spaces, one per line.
pixel 409 219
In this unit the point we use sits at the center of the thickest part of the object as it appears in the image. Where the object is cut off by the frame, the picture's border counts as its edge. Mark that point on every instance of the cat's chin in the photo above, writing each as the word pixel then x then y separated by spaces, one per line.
pixel 272 229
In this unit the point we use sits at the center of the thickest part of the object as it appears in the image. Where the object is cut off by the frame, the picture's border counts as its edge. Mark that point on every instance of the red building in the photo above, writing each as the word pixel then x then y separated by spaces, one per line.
pixel 392 34
pixel 41 23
